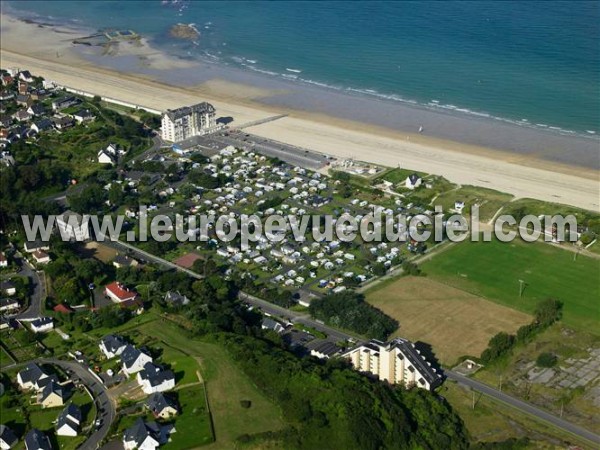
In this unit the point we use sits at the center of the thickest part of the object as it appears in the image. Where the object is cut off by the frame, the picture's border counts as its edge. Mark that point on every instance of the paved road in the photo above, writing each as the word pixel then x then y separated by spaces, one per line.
pixel 293 155
pixel 304 319
pixel 523 406
pixel 38 290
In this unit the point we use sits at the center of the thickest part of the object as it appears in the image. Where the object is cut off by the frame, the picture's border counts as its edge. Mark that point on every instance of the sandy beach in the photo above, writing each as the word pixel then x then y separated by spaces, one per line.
pixel 47 51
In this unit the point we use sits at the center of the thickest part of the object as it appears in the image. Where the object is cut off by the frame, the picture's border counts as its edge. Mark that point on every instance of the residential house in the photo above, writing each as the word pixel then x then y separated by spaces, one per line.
pixel 24 100
pixel 413 181
pixel 42 325
pixel 112 345
pixel 83 115
pixel 73 226
pixel 52 395
pixel 32 246
pixel 154 378
pixel 31 377
pixel 176 299
pixel 121 261
pixel 8 323
pixel 69 421
pixel 118 293
pixel 134 360
pixel 323 349
pixel 6 79
pixel 44 124
pixel 270 324
pixel 25 75
pixel 22 115
pixel 36 440
pixel 9 304
pixel 105 158
pixel 143 436
pixel 397 362
pixel 65 102
pixel 41 257
pixel 37 109
pixel 8 439
pixel 62 123
pixel 8 287
pixel 161 406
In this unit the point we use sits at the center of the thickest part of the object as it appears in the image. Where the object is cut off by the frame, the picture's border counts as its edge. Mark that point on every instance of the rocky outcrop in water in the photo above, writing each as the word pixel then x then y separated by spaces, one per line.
pixel 184 31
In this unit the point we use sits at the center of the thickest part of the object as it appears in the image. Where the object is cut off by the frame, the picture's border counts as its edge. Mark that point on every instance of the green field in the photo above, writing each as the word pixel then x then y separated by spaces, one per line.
pixel 226 385
pixel 493 270
pixel 489 201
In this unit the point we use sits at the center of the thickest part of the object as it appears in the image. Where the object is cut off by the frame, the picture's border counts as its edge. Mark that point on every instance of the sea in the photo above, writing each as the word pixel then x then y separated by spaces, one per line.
pixel 535 64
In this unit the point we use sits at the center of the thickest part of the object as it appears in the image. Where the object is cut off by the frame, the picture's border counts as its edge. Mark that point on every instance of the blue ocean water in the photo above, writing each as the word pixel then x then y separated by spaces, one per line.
pixel 532 61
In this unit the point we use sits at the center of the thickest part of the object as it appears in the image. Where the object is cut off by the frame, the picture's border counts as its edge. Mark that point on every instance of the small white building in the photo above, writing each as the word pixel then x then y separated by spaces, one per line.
pixel 42 325
pixel 413 181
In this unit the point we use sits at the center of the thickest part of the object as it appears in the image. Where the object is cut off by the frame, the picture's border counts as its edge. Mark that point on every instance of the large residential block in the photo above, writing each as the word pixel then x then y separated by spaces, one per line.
pixel 397 362
pixel 188 121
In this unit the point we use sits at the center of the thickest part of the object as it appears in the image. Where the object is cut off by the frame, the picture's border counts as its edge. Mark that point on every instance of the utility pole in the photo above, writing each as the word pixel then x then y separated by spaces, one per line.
pixel 500 384
pixel 562 407
pixel 473 391
pixel 521 288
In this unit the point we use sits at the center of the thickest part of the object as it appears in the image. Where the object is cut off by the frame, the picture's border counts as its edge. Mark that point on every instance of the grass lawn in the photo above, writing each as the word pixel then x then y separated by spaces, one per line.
pixel 5 360
pixel 489 201
pixel 226 386
pixel 493 270
pixel 193 424
pixel 454 322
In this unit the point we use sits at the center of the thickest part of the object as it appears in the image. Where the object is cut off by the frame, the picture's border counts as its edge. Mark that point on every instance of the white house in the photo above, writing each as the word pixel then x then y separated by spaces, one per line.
pixel 153 378
pixel 112 345
pixel 31 377
pixel 119 293
pixel 133 360
pixel 40 257
pixel 413 181
pixel 9 304
pixel 42 325
pixel 69 421
pixel 8 438
pixel 73 226
pixel 142 436
pixel 3 260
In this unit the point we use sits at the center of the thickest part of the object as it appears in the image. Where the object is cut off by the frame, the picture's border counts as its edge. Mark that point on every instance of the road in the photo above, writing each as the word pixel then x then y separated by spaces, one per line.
pixel 38 290
pixel 524 407
pixel 291 154
pixel 105 408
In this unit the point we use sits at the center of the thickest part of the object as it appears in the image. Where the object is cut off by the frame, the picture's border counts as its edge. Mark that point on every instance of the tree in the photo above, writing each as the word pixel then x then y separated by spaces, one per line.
pixel 548 311
pixel 499 345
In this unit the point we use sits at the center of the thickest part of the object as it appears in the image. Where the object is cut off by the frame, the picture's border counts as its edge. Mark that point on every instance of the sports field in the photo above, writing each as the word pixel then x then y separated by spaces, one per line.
pixel 493 270
pixel 452 321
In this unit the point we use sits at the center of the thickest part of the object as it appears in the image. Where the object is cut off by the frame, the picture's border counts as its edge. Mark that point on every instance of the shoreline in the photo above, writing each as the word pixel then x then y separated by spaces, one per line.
pixel 523 175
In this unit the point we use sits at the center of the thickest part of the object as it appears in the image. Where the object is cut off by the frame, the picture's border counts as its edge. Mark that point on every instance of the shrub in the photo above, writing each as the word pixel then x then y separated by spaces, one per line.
pixel 546 359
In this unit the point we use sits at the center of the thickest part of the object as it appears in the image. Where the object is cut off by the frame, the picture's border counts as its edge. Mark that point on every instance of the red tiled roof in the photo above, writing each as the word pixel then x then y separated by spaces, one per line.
pixel 40 254
pixel 120 291
pixel 187 260
pixel 63 309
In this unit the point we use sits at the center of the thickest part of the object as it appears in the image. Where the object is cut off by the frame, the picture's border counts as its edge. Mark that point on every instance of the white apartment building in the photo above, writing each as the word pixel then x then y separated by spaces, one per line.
pixel 188 121
pixel 397 362
pixel 73 226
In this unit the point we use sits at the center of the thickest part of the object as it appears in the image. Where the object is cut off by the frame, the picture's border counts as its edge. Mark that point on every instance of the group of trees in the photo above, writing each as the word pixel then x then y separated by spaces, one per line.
pixel 546 313
pixel 349 310
pixel 331 406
